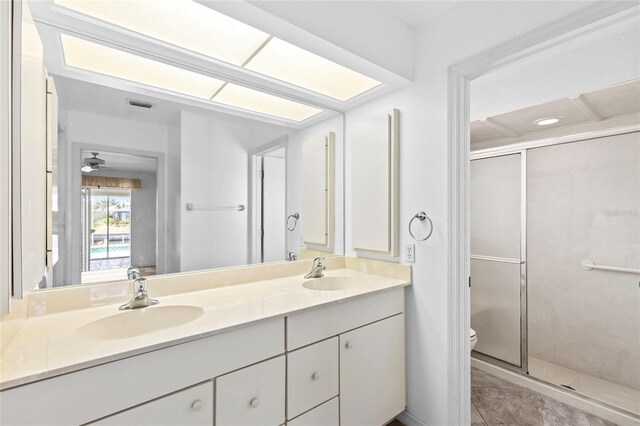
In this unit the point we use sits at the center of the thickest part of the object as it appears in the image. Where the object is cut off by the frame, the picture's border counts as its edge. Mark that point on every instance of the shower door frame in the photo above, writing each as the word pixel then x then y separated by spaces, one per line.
pixel 524 338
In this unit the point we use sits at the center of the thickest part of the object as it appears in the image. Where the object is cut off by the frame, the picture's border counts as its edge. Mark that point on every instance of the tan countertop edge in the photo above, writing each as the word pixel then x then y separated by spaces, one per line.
pixel 398 275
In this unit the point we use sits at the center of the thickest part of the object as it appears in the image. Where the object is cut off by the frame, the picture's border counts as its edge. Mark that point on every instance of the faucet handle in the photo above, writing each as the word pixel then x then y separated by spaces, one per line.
pixel 133 273
pixel 318 261
pixel 140 285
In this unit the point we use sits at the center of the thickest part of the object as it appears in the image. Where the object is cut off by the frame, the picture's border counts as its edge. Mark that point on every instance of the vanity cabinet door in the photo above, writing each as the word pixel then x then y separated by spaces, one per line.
pixel 312 376
pixel 252 396
pixel 372 373
pixel 190 407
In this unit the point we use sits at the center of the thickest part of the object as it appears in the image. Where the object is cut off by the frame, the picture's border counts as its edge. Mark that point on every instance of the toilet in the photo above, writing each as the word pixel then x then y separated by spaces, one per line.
pixel 474 338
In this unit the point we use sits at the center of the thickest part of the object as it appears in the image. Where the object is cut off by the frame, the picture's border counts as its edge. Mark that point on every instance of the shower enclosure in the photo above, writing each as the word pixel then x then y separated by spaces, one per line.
pixel 541 217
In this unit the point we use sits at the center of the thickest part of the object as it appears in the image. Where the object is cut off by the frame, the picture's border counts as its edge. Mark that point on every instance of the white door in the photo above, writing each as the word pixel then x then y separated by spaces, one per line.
pixel 372 373
pixel 273 209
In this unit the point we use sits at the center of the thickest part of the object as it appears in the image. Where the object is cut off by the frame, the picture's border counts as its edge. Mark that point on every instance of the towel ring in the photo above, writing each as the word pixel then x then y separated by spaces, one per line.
pixel 295 217
pixel 421 216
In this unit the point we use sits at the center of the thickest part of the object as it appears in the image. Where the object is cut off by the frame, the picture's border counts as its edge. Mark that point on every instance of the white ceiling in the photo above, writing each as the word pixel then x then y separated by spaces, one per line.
pixel 601 105
pixel 125 162
pixel 414 14
pixel 77 95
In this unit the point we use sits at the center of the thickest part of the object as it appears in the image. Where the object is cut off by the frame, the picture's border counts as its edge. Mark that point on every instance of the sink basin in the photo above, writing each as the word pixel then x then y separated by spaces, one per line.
pixel 137 322
pixel 332 283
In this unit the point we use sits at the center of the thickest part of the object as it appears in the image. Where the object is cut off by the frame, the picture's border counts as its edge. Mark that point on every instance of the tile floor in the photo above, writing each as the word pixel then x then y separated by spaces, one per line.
pixel 495 401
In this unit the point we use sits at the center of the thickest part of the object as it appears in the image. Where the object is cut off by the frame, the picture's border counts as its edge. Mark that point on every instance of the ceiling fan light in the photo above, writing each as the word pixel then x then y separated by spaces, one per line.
pixel 86 169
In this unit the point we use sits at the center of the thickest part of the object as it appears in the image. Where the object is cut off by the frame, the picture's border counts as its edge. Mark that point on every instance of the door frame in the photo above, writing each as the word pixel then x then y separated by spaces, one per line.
pixel 72 205
pixel 253 207
pixel 460 75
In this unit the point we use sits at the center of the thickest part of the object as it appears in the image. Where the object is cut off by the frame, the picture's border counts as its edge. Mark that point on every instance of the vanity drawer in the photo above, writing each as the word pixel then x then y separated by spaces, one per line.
pixel 190 407
pixel 328 414
pixel 312 376
pixel 252 396
pixel 317 324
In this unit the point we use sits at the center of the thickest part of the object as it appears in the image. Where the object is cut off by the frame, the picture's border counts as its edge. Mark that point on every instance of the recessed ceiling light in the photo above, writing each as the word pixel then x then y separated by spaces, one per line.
pixel 546 121
pixel 291 64
pixel 183 23
pixel 264 103
pixel 94 57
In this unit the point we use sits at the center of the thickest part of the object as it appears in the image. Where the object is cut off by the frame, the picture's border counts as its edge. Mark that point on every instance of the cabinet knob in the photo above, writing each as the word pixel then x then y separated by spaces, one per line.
pixel 254 402
pixel 196 405
pixel 348 345
pixel 315 375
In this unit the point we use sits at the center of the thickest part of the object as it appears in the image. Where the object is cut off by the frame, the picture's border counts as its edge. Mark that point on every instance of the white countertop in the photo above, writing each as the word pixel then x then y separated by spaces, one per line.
pixel 47 346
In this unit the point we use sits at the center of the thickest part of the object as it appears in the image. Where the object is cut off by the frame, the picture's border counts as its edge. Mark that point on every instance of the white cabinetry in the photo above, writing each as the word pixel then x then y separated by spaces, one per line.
pixel 252 396
pixel 342 364
pixel 372 373
pixel 312 376
pixel 190 407
pixel 374 183
pixel 369 362
pixel 328 414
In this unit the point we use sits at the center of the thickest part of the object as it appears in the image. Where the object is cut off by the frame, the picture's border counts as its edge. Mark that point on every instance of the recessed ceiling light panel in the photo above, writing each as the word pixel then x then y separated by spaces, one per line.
pixel 291 64
pixel 94 57
pixel 547 121
pixel 264 103
pixel 183 23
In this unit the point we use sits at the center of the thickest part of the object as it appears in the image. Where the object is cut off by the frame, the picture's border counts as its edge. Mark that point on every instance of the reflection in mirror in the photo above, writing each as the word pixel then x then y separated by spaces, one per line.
pixel 156 169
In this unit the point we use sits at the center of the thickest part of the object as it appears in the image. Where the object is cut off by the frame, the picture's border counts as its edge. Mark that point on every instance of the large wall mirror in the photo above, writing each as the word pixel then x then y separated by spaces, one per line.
pixel 132 160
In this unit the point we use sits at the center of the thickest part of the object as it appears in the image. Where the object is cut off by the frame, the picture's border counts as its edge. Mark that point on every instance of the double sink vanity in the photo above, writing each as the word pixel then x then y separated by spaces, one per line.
pixel 253 345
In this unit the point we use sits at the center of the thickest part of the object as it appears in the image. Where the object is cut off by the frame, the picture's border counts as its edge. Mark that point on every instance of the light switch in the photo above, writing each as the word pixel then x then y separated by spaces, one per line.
pixel 410 253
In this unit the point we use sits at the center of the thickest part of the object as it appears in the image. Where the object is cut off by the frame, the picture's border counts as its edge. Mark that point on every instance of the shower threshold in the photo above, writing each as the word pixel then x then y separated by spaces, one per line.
pixel 623 397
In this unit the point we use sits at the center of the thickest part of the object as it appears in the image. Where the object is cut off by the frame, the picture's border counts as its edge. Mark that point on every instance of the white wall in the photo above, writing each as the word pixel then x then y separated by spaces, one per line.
pixel 465 30
pixel 214 171
pixel 603 58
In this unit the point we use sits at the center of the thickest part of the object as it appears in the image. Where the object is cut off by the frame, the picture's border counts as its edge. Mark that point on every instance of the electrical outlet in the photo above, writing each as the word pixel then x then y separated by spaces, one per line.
pixel 410 253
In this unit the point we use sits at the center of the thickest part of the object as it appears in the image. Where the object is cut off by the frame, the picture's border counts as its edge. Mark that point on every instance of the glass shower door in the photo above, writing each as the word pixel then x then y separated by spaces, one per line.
pixel 498 292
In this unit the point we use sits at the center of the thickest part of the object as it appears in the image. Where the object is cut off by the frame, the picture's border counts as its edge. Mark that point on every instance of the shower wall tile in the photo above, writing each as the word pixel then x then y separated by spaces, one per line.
pixel 583 202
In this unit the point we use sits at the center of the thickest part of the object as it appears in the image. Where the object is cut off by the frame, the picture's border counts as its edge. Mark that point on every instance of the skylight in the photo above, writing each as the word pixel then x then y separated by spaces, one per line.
pixel 97 58
pixel 183 23
pixel 83 54
pixel 193 26
pixel 302 68
pixel 253 100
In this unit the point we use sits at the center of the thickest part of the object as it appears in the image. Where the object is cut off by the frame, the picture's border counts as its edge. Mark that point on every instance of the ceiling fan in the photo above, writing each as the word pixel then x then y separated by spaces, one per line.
pixel 92 163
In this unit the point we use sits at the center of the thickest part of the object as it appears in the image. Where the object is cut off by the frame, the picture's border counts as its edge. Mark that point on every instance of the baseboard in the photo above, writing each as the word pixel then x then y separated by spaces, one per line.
pixel 409 419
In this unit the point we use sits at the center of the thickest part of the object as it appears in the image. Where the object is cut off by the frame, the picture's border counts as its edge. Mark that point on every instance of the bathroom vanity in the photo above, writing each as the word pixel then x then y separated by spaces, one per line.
pixel 284 350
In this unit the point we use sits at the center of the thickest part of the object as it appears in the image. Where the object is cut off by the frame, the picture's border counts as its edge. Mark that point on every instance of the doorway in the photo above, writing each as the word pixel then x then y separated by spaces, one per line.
pixel 106 234
pixel 272 191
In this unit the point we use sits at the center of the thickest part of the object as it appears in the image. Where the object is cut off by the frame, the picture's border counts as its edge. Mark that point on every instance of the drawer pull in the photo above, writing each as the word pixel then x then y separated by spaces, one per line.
pixel 348 345
pixel 315 376
pixel 196 405
pixel 254 402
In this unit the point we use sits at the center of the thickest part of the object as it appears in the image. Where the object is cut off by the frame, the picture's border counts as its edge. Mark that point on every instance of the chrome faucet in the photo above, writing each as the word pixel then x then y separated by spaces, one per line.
pixel 141 298
pixel 317 268
pixel 133 273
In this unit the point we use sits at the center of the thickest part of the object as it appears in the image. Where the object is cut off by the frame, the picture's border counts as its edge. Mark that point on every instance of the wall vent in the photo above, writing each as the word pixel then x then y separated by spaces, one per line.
pixel 141 104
